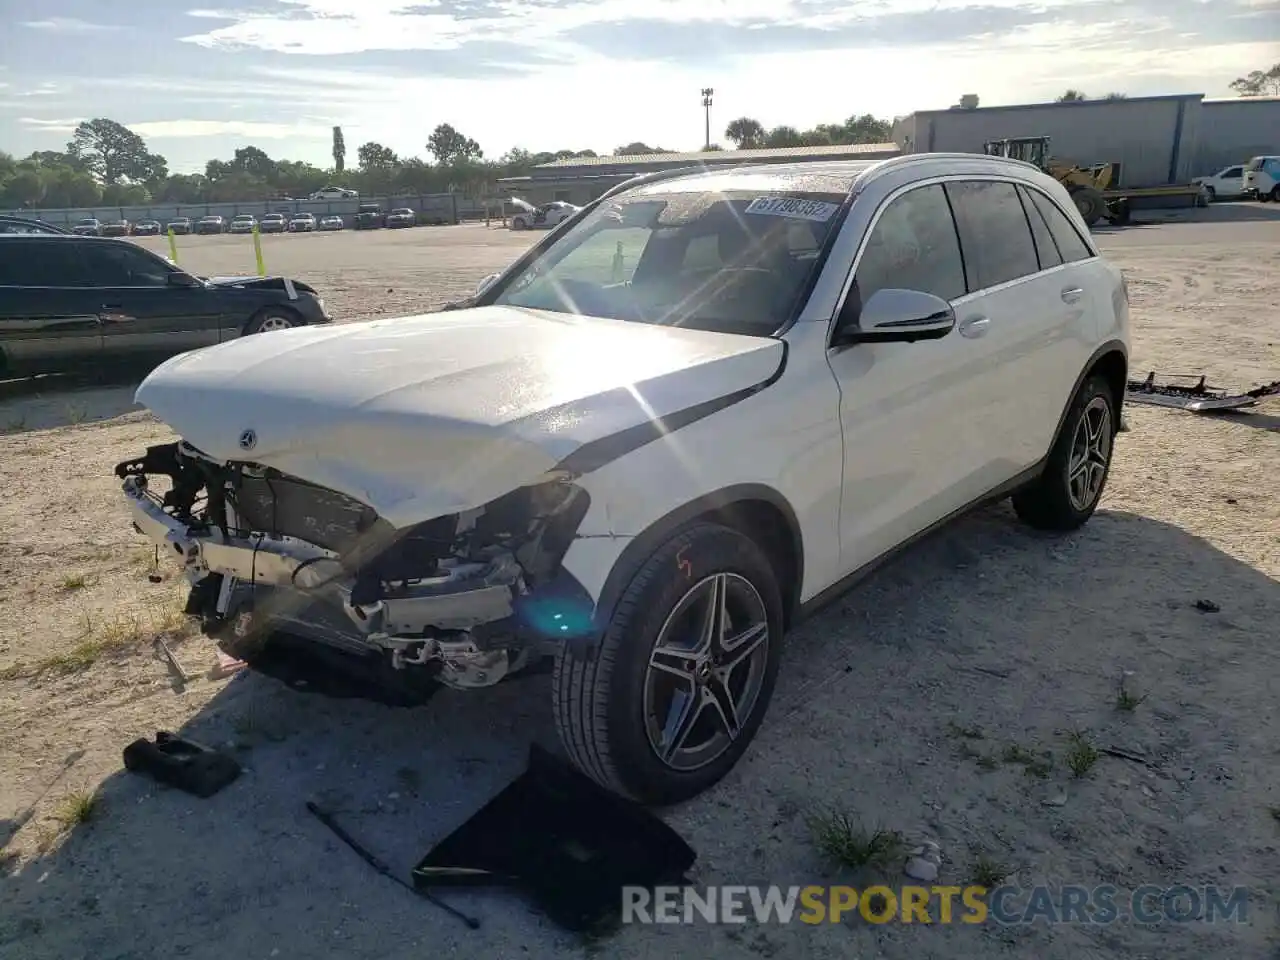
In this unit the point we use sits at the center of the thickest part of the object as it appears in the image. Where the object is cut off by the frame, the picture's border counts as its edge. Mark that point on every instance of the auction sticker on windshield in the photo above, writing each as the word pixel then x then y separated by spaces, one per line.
pixel 817 210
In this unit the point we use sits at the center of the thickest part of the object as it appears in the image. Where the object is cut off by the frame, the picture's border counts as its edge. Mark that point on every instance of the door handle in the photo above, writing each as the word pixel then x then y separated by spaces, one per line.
pixel 974 327
pixel 1072 294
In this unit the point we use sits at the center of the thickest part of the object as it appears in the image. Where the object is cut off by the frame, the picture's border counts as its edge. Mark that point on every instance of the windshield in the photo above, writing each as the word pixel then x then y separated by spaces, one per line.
pixel 732 260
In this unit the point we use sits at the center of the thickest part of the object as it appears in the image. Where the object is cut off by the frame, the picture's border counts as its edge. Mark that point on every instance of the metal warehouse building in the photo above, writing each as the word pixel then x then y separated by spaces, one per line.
pixel 582 179
pixel 1156 140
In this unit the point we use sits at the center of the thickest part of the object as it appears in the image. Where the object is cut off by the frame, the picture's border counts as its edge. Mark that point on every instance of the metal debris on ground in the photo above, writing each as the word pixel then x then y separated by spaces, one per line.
pixel 1195 395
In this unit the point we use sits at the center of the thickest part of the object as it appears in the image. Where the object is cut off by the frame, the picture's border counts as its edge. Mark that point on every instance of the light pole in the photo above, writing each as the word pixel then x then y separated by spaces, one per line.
pixel 707 94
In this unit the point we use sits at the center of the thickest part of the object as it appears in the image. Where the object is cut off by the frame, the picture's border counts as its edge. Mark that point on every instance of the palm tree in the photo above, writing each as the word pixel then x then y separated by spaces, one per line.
pixel 746 133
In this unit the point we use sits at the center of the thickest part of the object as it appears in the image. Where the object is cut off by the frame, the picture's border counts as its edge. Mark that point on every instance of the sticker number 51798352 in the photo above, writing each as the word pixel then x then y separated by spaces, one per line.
pixel 793 207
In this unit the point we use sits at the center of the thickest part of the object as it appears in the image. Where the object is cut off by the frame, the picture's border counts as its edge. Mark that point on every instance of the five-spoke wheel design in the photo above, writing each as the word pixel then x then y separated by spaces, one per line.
pixel 705 671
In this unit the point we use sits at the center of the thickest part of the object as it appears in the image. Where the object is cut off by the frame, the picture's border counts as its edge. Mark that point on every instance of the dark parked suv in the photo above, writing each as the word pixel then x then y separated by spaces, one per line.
pixel 67 301
pixel 369 216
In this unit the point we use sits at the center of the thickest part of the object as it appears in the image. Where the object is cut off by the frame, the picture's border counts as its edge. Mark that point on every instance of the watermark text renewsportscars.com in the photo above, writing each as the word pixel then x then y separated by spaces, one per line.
pixel 1006 905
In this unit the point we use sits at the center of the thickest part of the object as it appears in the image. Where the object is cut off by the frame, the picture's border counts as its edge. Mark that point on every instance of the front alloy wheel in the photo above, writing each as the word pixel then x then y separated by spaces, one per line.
pixel 681 678
pixel 705 671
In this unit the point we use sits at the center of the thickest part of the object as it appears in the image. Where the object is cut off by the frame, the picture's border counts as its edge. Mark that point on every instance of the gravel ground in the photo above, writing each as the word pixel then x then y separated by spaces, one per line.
pixel 906 705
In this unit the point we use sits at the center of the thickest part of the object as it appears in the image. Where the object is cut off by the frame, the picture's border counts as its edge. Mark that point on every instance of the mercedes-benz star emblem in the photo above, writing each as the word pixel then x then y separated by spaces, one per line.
pixel 248 440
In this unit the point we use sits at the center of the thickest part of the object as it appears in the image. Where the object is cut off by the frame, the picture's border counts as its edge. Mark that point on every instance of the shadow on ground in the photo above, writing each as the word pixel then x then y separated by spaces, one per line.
pixel 985 625
pixel 45 402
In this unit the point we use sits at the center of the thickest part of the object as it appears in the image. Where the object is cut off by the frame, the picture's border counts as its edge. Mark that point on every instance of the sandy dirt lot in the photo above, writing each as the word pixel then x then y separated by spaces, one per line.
pixel 940 699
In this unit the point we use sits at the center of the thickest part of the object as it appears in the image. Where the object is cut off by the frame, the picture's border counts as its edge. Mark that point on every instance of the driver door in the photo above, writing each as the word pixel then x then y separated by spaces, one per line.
pixel 141 312
pixel 908 411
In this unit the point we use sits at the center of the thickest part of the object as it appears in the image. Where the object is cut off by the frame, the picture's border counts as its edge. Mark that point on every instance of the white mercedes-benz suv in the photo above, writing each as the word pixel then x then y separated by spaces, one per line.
pixel 679 423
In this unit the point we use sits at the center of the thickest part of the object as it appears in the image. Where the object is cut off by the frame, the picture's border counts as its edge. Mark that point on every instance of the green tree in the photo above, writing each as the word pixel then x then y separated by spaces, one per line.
pixel 783 136
pixel 1116 96
pixel 1072 96
pixel 254 162
pixel 72 188
pixel 25 186
pixel 866 129
pixel 449 146
pixel 374 156
pixel 339 151
pixel 638 149
pixel 1258 83
pixel 111 151
pixel 745 133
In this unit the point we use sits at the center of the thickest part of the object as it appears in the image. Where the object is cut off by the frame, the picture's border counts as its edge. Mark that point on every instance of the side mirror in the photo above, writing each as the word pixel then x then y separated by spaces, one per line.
pixel 486 283
pixel 893 316
pixel 178 278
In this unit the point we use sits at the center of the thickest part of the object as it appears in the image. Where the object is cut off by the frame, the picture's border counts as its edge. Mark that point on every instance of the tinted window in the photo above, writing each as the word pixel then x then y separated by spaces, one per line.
pixel 1233 172
pixel 994 232
pixel 123 265
pixel 1046 248
pixel 39 263
pixel 1070 245
pixel 913 246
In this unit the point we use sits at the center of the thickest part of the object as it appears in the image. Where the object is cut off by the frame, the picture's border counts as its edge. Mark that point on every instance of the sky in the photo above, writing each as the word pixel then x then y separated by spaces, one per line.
pixel 197 81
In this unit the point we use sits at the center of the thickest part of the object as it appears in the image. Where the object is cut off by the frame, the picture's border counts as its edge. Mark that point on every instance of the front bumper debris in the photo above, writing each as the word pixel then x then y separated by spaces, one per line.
pixel 464 596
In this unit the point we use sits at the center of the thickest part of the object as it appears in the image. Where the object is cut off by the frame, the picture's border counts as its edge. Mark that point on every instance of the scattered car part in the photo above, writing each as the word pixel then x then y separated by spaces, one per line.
pixel 327 819
pixel 178 762
pixel 1197 397
pixel 572 844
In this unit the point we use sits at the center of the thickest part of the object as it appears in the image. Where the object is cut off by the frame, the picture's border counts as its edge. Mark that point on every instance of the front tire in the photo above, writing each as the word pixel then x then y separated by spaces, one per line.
pixel 682 678
pixel 272 318
pixel 1066 494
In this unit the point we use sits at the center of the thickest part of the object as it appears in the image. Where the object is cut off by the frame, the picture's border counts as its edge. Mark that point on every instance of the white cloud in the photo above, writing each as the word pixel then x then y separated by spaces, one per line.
pixel 179 129
pixel 51 126
pixel 68 25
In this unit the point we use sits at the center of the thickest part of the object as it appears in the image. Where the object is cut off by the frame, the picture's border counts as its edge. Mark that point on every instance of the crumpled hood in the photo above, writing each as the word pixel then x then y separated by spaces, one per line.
pixel 428 415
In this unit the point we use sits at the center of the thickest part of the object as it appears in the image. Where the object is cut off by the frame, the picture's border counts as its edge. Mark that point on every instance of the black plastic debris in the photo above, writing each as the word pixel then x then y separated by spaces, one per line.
pixel 571 844
pixel 185 764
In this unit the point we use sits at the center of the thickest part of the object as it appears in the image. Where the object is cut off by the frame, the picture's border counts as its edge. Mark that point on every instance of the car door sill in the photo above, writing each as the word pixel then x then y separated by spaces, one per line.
pixel 822 599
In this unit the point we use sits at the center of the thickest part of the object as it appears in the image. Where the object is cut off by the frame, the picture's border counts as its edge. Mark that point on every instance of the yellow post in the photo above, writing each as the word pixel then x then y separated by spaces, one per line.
pixel 257 251
pixel 173 247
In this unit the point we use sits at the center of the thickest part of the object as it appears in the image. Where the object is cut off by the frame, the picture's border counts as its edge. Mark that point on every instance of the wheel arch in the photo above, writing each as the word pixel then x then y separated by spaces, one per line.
pixel 1111 361
pixel 755 510
pixel 268 307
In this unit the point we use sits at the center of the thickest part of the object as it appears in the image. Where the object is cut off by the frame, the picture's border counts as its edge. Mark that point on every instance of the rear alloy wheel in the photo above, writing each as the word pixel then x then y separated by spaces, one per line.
pixel 1067 492
pixel 683 676
pixel 269 319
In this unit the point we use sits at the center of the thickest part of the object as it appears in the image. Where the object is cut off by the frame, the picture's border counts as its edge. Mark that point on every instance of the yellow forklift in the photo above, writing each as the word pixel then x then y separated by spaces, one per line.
pixel 1094 189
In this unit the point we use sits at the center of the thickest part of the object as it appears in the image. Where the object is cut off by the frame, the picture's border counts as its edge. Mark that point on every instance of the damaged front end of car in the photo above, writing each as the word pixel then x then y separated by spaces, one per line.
pixel 467 598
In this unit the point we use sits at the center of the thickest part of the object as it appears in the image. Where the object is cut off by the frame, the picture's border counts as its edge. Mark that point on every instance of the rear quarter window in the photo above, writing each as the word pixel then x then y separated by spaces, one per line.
pixel 994 233
pixel 1070 244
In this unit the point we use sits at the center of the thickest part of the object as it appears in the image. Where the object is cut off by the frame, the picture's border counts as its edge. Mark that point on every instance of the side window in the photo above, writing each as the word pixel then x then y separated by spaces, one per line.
pixel 1046 247
pixel 39 263
pixel 1070 245
pixel 1232 172
pixel 994 232
pixel 913 246
pixel 121 264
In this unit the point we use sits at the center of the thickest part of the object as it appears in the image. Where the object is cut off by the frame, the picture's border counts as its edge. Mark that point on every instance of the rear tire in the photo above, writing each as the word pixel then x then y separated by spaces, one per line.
pixel 654 715
pixel 1090 203
pixel 1066 494
pixel 1275 194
